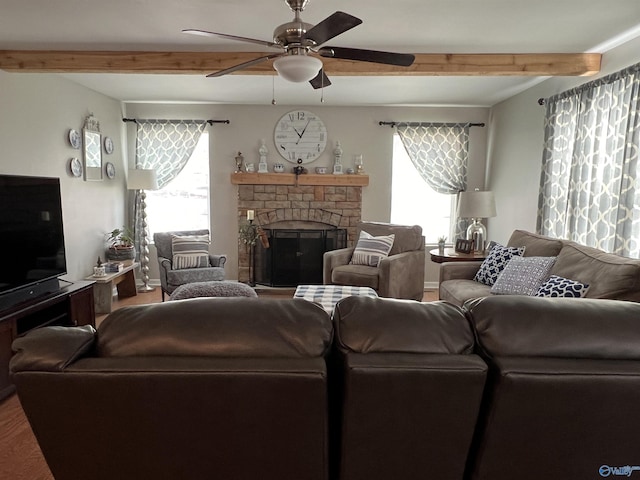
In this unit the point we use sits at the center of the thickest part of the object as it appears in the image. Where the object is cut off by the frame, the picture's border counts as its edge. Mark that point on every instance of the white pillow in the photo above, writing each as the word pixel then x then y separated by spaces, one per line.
pixel 370 250
pixel 190 251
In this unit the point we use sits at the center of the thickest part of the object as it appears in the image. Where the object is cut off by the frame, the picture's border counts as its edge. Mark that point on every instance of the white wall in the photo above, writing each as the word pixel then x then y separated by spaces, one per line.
pixel 356 128
pixel 36 113
pixel 515 144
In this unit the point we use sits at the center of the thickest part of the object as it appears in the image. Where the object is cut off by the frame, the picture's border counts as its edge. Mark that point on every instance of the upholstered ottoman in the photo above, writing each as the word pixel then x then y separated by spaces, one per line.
pixel 213 289
pixel 328 295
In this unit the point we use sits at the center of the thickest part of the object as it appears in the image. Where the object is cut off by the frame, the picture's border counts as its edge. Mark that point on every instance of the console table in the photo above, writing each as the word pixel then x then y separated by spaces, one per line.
pixel 124 281
pixel 70 306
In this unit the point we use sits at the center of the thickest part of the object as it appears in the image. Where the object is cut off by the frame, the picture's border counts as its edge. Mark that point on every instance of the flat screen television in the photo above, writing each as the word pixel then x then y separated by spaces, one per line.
pixel 31 238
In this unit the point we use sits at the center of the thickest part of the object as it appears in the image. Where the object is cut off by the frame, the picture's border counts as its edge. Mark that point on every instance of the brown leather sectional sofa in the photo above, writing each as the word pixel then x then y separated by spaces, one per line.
pixel 253 388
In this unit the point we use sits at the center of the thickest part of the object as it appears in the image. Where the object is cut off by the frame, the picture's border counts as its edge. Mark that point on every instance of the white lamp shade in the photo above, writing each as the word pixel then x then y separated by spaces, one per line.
pixel 142 179
pixel 297 68
pixel 476 204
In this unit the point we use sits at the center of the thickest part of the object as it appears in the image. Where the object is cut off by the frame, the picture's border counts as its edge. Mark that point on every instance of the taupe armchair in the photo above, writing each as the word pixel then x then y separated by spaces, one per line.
pixel 400 275
pixel 171 278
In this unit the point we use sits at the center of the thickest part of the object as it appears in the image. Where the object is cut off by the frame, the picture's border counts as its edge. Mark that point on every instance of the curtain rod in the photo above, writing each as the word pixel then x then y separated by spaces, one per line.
pixel 420 124
pixel 210 122
pixel 613 77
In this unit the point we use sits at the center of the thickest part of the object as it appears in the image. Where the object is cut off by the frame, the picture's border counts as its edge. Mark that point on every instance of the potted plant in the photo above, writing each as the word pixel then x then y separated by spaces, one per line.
pixel 121 244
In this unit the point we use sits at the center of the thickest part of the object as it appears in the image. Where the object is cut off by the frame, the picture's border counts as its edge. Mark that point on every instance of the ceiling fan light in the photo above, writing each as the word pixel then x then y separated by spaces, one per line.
pixel 297 68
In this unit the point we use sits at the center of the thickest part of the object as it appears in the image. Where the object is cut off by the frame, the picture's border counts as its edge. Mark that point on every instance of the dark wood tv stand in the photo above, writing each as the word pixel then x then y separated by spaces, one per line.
pixel 69 306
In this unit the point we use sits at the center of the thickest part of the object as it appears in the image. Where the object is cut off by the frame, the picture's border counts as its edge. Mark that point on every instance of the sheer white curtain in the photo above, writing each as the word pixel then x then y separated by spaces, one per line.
pixel 589 187
pixel 165 146
pixel 440 154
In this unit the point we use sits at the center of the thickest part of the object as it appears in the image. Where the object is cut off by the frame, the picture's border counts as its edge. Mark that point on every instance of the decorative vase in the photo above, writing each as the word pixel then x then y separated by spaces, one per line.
pixel 99 271
pixel 441 248
pixel 278 168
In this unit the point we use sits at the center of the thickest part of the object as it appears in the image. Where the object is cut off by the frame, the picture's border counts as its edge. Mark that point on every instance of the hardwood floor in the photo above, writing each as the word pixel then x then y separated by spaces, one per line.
pixel 20 455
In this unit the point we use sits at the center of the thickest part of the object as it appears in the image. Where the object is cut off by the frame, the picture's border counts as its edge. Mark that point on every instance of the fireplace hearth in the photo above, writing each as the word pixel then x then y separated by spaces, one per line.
pixel 294 256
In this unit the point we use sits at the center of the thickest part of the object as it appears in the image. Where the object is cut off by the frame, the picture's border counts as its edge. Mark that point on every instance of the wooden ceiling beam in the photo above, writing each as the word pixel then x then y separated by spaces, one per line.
pixel 198 63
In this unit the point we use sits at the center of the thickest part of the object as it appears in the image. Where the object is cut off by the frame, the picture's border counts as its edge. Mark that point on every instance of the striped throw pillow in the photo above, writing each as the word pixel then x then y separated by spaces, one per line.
pixel 370 250
pixel 190 251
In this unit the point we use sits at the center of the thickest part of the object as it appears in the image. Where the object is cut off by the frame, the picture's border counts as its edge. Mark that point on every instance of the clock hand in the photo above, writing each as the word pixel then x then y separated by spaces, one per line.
pixel 303 130
pixel 297 133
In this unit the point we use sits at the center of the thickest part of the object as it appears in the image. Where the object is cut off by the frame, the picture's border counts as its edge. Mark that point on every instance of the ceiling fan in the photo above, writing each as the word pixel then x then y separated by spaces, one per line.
pixel 298 40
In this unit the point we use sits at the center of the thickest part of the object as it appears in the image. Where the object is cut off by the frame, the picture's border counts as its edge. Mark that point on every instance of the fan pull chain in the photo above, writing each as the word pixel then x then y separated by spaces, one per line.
pixel 273 90
pixel 322 85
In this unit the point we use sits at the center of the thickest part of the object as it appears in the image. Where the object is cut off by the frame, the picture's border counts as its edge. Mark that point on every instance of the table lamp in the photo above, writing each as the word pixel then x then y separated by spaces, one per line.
pixel 143 179
pixel 477 205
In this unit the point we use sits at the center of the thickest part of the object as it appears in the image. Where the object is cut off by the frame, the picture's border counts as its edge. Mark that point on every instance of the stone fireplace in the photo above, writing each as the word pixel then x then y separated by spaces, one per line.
pixel 322 204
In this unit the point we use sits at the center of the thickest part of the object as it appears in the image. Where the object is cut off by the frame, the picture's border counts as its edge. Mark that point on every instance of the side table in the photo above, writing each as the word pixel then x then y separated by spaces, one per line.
pixel 450 255
pixel 124 281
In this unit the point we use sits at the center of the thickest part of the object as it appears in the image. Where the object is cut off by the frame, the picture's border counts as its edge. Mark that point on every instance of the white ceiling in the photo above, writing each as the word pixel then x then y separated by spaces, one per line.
pixel 413 26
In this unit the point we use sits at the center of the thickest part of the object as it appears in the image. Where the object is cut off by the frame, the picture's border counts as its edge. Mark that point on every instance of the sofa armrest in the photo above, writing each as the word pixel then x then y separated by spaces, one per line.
pixel 458 270
pixel 217 260
pixel 51 349
pixel 333 259
pixel 402 275
pixel 164 267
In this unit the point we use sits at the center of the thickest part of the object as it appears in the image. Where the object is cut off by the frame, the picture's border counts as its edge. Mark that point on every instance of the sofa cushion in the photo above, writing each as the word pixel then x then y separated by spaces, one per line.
pixel 608 275
pixel 535 245
pixel 370 250
pixel 190 251
pixel 523 275
pixel 510 325
pixel 376 325
pixel 217 327
pixel 557 286
pixel 361 275
pixel 495 262
pixel 459 291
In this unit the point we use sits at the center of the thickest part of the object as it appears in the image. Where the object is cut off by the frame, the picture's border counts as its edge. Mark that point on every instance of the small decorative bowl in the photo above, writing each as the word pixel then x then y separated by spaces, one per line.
pixel 321 170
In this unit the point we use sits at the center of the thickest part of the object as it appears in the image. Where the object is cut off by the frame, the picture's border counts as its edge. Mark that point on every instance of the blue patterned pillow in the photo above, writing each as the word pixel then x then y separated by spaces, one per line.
pixel 495 262
pixel 558 286
pixel 523 275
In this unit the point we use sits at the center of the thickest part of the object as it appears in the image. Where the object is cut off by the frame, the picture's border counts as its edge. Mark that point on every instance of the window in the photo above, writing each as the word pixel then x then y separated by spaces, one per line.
pixel 183 204
pixel 413 202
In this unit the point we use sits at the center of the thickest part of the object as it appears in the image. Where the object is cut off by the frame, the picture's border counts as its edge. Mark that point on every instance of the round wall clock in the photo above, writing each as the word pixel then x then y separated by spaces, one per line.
pixel 300 135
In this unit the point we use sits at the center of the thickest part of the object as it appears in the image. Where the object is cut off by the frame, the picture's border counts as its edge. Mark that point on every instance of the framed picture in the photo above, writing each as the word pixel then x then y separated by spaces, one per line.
pixel 464 246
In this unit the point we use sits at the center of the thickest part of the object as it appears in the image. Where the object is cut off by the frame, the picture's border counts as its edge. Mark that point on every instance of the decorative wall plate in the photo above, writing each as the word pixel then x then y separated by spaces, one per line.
pixel 74 138
pixel 75 166
pixel 108 145
pixel 110 170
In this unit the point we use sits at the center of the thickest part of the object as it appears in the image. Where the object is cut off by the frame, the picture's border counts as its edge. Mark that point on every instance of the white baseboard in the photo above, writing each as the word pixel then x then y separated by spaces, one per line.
pixel 431 285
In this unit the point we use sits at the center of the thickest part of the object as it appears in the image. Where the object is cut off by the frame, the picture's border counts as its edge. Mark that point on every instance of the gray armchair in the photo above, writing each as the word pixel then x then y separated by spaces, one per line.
pixel 170 279
pixel 400 275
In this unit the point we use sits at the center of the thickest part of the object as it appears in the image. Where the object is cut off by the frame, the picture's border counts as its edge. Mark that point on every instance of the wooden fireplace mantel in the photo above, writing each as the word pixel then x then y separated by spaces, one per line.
pixel 304 179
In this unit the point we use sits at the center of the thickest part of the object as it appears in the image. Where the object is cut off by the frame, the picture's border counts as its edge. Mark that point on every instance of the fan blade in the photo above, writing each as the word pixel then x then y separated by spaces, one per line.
pixel 320 81
pixel 332 26
pixel 240 66
pixel 375 56
pixel 204 33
